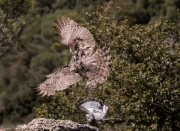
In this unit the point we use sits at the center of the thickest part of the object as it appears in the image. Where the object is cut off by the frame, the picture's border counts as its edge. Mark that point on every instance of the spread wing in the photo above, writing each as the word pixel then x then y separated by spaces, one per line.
pixel 58 80
pixel 90 104
pixel 98 67
pixel 69 30
pixel 81 44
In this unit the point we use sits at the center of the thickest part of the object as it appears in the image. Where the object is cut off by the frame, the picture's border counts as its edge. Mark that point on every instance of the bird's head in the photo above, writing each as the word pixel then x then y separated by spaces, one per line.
pixel 100 113
pixel 105 109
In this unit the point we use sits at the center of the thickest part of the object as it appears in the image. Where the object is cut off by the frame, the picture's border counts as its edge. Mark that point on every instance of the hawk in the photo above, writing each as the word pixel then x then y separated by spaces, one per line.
pixel 94 108
pixel 95 65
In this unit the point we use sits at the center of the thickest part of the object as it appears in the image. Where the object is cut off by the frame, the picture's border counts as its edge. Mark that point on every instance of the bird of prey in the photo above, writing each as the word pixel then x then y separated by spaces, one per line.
pixel 94 65
pixel 94 108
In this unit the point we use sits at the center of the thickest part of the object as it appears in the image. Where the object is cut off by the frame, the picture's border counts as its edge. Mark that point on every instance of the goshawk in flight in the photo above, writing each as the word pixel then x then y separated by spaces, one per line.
pixel 94 108
pixel 95 65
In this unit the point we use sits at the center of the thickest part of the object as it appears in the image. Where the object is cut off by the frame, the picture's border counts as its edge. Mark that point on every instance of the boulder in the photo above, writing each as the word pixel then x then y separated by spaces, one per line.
pixel 43 124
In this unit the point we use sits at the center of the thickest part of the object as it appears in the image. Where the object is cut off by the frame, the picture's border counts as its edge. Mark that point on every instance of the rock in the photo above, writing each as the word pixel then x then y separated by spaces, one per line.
pixel 43 124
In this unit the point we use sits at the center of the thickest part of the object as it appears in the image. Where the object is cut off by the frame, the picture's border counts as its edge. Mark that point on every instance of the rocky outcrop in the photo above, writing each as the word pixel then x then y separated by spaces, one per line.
pixel 43 124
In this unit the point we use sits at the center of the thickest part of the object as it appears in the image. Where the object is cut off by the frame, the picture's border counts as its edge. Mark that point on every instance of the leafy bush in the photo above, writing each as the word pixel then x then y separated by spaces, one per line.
pixel 11 23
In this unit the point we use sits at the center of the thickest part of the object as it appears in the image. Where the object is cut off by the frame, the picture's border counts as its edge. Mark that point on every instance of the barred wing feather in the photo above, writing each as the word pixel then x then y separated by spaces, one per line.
pixel 98 67
pixel 90 103
pixel 69 30
pixel 58 80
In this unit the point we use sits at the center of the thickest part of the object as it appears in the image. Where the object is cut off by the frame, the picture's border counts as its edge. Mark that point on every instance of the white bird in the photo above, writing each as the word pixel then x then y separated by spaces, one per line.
pixel 94 108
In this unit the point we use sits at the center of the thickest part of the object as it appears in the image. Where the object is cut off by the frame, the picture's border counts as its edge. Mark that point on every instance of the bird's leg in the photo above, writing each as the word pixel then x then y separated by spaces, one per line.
pixel 93 123
pixel 91 120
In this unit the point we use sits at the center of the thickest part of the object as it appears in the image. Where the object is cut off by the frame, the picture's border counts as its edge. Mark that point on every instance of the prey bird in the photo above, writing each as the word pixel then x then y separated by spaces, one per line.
pixel 93 64
pixel 94 108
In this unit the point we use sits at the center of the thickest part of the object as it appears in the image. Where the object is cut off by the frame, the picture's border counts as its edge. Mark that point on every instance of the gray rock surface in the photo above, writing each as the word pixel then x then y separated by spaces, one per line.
pixel 43 124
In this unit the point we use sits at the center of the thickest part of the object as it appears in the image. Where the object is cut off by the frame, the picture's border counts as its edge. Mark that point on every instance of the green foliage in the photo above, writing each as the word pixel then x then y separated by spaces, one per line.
pixel 143 89
pixel 11 23
pixel 14 9
pixel 9 35
pixel 127 87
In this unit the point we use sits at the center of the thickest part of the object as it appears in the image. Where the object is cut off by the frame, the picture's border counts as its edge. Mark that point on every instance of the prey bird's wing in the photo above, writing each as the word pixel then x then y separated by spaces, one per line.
pixel 88 105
